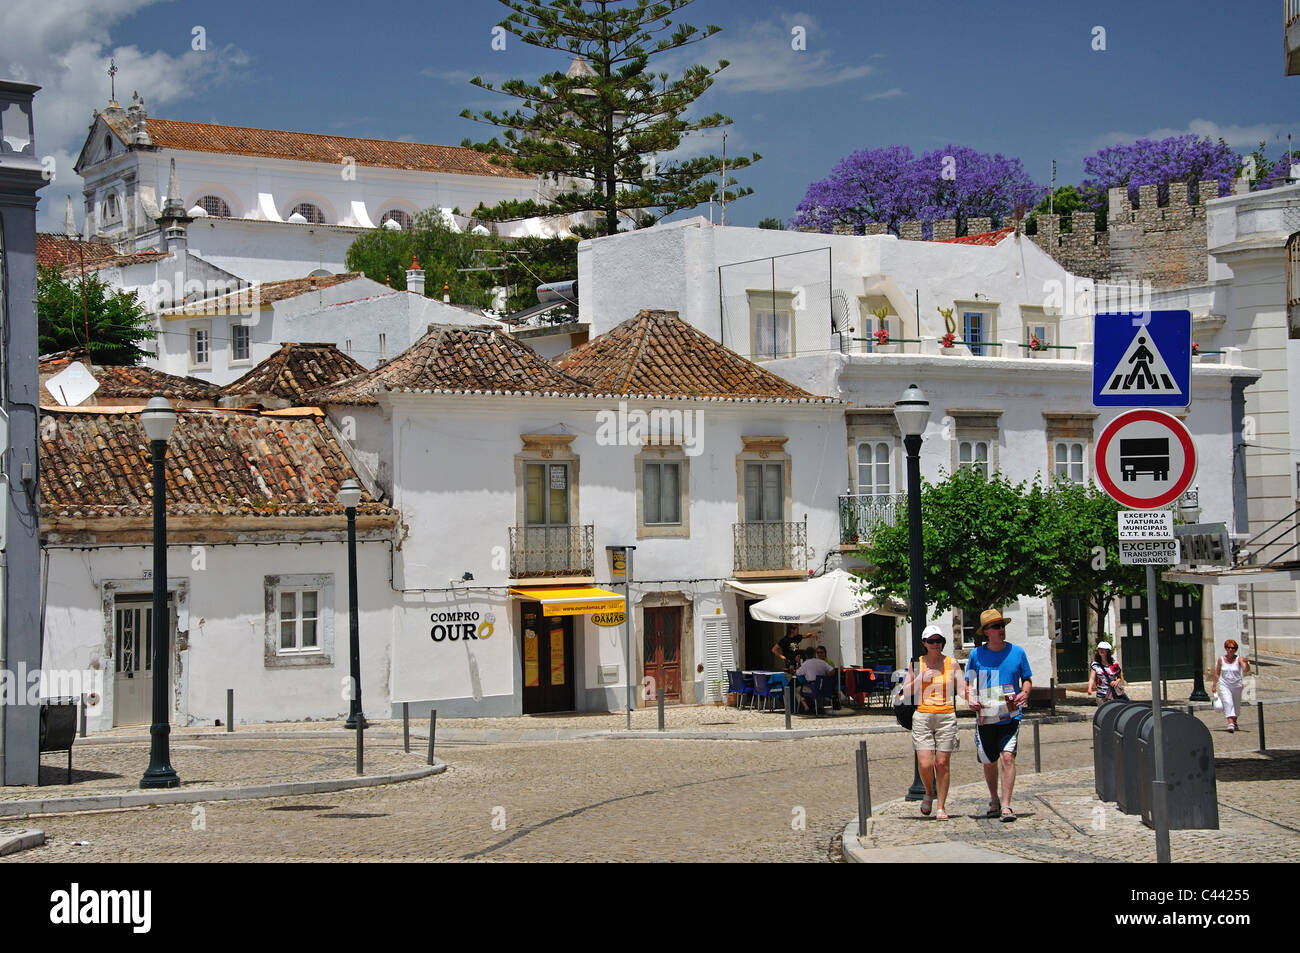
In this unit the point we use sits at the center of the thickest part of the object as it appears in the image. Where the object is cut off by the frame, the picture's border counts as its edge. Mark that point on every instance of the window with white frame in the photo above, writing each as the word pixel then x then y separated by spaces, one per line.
pixel 875 468
pixel 771 324
pixel 240 338
pixel 1039 324
pixel 201 346
pixel 872 322
pixel 978 326
pixel 974 453
pixel 1069 463
pixel 299 621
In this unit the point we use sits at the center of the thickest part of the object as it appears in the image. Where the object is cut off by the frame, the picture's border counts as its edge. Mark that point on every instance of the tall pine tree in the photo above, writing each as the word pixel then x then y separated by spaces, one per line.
pixel 599 131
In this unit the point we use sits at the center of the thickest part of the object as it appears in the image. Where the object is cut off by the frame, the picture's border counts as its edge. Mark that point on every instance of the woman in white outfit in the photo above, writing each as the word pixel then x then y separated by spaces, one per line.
pixel 1229 676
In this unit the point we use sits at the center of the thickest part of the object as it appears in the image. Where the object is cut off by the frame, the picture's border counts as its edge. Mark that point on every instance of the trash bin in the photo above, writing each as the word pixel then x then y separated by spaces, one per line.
pixel 1128 774
pixel 1103 747
pixel 1193 797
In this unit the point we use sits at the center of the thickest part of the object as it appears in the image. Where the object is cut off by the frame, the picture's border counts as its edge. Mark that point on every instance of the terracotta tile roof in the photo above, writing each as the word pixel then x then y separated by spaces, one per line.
pixel 294 370
pixel 116 383
pixel 265 293
pixel 117 261
pixel 229 463
pixel 657 354
pixel 313 147
pixel 983 238
pixel 57 251
pixel 458 359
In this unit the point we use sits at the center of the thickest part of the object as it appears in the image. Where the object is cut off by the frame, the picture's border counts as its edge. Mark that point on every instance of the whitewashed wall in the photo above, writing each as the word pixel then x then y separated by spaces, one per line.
pixel 222 627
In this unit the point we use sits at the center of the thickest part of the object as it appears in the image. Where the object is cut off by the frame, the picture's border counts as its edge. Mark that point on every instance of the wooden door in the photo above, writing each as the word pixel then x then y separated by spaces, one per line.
pixel 547 654
pixel 1179 618
pixel 663 652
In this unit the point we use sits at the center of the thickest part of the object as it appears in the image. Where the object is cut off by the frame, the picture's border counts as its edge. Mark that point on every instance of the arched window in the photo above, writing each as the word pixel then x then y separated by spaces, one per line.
pixel 397 215
pixel 214 205
pixel 310 212
pixel 111 210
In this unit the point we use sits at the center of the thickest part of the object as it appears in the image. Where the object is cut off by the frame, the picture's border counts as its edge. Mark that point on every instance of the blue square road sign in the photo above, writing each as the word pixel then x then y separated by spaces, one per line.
pixel 1142 359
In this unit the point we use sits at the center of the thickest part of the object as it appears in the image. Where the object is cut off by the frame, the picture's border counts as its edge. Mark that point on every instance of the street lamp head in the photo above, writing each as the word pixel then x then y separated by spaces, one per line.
pixel 350 494
pixel 912 411
pixel 159 419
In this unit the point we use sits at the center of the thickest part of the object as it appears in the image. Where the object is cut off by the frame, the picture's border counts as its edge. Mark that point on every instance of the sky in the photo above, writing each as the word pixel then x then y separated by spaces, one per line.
pixel 807 83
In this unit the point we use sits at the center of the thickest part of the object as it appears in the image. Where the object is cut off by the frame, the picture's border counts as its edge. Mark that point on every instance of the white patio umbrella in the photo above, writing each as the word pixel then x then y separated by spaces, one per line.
pixel 833 597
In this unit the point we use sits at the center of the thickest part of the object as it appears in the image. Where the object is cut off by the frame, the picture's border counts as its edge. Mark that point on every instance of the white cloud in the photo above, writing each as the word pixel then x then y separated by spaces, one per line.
pixel 1231 133
pixel 64 46
pixel 886 94
pixel 763 58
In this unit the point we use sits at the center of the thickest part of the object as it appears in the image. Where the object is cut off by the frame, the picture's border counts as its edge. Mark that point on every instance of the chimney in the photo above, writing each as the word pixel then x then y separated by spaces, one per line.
pixel 415 277
pixel 446 293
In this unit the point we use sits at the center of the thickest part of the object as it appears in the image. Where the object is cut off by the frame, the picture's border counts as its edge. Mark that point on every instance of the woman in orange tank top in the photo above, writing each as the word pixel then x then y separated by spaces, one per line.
pixel 932 682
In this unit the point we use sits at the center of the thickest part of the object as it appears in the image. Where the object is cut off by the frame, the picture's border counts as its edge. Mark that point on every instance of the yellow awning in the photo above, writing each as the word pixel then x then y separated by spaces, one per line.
pixel 572 600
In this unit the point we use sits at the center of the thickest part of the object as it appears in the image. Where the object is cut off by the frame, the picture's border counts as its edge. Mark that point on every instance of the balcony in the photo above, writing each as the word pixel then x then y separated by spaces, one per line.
pixel 1291 33
pixel 547 551
pixel 771 547
pixel 859 513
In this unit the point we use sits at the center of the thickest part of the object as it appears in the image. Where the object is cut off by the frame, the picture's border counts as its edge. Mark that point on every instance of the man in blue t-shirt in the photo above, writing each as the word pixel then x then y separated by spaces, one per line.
pixel 997 688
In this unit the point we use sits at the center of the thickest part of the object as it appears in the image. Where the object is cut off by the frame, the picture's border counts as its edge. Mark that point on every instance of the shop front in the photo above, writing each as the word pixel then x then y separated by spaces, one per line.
pixel 547 647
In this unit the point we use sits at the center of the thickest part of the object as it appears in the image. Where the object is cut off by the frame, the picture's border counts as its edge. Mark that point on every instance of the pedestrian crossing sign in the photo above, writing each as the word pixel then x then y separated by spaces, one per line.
pixel 1142 359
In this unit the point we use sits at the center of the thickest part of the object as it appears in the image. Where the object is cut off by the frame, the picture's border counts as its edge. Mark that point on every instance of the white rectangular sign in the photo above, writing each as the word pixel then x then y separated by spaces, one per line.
pixel 1148 552
pixel 1146 524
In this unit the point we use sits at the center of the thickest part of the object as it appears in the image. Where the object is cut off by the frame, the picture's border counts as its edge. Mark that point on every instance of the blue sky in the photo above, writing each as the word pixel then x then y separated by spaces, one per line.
pixel 1019 77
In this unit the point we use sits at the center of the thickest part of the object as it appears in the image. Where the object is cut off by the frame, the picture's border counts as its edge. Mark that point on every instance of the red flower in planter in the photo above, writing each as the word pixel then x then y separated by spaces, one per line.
pixel 881 336
pixel 948 339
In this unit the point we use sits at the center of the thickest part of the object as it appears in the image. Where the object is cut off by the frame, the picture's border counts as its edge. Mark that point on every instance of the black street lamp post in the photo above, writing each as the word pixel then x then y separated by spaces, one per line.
pixel 349 497
pixel 1189 509
pixel 912 412
pixel 159 420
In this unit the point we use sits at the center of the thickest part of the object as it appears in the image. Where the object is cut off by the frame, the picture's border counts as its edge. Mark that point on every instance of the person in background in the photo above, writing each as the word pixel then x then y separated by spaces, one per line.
pixel 1229 678
pixel 1003 681
pixel 812 669
pixel 1103 674
pixel 932 685
pixel 786 649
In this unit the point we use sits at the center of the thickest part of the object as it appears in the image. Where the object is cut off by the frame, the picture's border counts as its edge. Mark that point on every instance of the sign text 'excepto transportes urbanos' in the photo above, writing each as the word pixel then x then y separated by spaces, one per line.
pixel 1148 552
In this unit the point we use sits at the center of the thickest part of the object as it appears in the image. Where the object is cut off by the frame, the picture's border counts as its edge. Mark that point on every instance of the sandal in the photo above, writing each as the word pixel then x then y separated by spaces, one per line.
pixel 995 806
pixel 1008 815
pixel 925 805
pixel 941 815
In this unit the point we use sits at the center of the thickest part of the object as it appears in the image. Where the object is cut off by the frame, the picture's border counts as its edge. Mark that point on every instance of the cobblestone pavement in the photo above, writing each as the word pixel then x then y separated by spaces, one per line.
pixel 217 762
pixel 633 800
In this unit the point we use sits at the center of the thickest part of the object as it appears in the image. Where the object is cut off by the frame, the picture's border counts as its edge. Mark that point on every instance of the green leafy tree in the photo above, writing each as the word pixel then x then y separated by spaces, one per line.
pixel 1065 201
pixel 117 320
pixel 986 542
pixel 774 223
pixel 1088 561
pixel 600 134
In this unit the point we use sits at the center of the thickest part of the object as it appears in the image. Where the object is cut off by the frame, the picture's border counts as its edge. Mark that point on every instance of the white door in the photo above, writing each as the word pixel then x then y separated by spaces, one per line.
pixel 133 659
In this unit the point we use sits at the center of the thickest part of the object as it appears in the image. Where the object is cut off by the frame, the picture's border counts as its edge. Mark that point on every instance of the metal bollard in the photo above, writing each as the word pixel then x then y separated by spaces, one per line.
pixel 230 710
pixel 864 788
pixel 82 726
pixel 1259 708
pixel 1052 687
pixel 660 693
pixel 789 702
pixel 361 749
pixel 433 727
pixel 1038 761
pixel 406 726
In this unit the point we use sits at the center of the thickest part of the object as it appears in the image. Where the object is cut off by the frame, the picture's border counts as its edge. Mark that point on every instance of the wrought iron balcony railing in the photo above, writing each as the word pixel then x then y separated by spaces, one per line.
pixel 552 551
pixel 860 512
pixel 771 546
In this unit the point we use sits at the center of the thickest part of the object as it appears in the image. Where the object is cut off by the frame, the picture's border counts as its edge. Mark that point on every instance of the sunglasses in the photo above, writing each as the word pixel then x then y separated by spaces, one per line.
pixel 933 641
pixel 998 626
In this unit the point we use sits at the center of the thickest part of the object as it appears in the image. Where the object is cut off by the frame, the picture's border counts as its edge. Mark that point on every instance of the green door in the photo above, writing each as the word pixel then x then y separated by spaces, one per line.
pixel 1179 618
pixel 1072 639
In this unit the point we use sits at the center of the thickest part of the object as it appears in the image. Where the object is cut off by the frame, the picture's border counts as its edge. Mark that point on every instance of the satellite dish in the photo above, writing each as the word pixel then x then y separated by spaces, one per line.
pixel 840 314
pixel 73 385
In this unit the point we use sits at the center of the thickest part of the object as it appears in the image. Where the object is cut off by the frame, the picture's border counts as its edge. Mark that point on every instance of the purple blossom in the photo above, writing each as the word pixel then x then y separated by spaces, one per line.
pixel 890 185
pixel 1186 159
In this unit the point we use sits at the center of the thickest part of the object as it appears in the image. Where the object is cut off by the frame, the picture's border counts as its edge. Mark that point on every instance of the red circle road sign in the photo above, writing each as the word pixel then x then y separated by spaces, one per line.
pixel 1145 459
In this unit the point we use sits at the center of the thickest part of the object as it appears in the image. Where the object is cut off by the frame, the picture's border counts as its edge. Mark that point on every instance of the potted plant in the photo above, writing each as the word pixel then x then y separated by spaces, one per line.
pixel 947 343
pixel 1037 346
pixel 1196 353
pixel 881 334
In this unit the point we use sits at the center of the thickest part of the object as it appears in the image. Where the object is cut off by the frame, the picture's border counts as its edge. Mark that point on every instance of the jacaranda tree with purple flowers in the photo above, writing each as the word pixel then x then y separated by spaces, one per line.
pixel 891 185
pixel 1188 159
